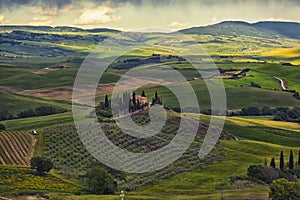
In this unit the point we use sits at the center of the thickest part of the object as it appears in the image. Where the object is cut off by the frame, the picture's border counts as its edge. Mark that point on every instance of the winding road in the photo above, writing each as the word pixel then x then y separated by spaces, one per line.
pixel 281 82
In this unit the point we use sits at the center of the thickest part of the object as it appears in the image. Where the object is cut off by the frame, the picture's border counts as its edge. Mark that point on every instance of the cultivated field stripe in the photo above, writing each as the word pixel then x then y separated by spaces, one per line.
pixel 15 150
pixel 2 159
pixel 26 139
pixel 22 137
pixel 17 142
pixel 6 151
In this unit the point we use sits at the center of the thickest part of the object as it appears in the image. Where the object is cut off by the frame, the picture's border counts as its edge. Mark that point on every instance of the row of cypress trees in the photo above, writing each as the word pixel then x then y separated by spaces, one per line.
pixel 291 164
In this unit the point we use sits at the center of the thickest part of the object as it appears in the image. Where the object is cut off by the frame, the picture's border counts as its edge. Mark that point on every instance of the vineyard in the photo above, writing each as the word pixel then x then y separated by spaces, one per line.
pixel 65 149
pixel 16 148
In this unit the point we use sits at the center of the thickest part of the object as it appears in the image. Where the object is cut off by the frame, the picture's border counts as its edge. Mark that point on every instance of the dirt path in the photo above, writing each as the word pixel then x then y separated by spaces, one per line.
pixel 281 83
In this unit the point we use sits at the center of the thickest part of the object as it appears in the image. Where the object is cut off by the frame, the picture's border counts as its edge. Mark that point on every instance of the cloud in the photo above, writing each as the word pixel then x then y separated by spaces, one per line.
pixel 45 11
pixel 178 25
pixel 99 15
pixel 41 21
pixel 10 4
pixel 1 18
pixel 280 19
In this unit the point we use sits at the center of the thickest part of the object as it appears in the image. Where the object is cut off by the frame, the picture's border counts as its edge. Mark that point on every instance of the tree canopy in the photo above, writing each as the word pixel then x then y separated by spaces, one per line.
pixel 42 165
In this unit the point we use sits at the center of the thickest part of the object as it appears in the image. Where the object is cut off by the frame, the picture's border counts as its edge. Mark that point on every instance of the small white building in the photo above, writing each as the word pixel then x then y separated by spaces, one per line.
pixel 34 132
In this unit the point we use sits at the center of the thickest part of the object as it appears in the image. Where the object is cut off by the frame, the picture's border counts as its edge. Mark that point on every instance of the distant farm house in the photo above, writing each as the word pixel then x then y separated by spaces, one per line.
pixel 142 100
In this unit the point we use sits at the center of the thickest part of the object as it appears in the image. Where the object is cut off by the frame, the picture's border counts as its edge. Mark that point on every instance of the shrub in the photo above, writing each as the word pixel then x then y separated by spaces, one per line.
pixel 281 189
pixel 265 174
pixel 99 181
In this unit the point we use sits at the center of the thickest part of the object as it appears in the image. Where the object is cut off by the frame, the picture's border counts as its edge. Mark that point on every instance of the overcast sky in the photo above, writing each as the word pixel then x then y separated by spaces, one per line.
pixel 144 15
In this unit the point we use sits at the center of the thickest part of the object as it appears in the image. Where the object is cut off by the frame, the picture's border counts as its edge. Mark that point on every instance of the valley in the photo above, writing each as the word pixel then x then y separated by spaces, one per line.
pixel 258 65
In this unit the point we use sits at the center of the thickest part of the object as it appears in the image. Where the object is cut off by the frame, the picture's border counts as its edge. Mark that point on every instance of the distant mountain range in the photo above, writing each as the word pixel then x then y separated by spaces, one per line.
pixel 269 29
pixel 55 29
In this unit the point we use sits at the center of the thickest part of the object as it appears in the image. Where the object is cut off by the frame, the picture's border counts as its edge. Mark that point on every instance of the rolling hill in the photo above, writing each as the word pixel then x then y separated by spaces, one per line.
pixel 260 29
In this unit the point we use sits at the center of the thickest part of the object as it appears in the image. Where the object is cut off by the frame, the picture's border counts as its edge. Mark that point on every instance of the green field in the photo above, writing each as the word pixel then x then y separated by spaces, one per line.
pixel 25 78
pixel 39 122
pixel 16 179
pixel 237 96
pixel 15 103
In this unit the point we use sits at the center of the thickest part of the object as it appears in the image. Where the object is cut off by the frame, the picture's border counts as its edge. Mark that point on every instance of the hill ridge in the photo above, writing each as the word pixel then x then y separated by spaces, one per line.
pixel 269 29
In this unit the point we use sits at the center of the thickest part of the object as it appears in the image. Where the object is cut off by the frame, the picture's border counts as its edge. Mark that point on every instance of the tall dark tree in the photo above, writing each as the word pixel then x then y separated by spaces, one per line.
pixel 143 94
pixel 134 98
pixel 272 163
pixel 291 160
pixel 134 101
pixel 299 158
pixel 106 103
pixel 281 164
pixel 156 95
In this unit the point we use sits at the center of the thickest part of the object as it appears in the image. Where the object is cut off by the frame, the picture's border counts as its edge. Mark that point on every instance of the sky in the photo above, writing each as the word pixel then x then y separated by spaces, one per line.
pixel 144 15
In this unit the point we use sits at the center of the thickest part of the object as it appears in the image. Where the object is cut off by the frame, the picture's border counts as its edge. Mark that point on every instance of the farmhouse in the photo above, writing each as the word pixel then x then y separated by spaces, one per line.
pixel 142 100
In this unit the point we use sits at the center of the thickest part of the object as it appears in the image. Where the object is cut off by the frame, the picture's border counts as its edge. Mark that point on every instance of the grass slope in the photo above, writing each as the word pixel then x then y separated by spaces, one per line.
pixel 15 103
pixel 210 181
pixel 39 122
pixel 25 78
pixel 16 179
pixel 237 97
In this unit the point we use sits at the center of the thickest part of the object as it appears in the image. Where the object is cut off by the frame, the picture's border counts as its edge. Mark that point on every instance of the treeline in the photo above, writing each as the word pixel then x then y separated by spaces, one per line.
pixel 286 174
pixel 39 111
pixel 43 37
pixel 280 113
pixel 154 58
pixel 271 171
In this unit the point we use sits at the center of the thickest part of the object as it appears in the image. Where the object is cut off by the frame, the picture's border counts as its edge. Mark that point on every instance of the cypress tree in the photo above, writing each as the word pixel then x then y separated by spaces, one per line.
pixel 106 103
pixel 156 96
pixel 291 161
pixel 143 94
pixel 272 163
pixel 134 98
pixel 134 101
pixel 281 161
